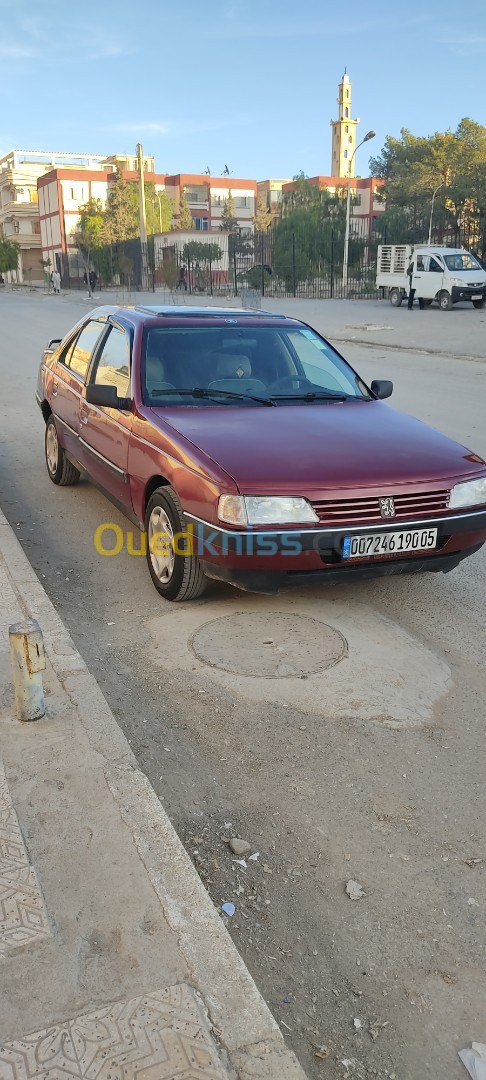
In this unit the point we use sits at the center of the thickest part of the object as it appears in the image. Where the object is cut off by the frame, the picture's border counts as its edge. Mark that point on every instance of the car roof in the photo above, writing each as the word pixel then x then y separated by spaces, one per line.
pixel 144 313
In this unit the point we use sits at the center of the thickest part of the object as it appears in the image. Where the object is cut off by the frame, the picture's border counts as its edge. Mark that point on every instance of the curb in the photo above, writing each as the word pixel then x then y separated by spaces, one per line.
pixel 242 1021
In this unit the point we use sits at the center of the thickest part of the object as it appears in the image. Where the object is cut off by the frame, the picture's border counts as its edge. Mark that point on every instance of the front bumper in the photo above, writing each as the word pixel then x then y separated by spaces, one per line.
pixel 464 292
pixel 266 560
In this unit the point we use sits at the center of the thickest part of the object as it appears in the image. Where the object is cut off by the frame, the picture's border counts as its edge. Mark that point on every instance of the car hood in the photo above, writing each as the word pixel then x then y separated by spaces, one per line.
pixel 317 447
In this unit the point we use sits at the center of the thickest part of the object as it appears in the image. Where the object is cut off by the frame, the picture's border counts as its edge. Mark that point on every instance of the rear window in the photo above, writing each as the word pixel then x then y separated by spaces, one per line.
pixel 263 361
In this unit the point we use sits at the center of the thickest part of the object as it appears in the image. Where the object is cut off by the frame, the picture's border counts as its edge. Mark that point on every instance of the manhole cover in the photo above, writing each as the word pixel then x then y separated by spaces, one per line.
pixel 271 646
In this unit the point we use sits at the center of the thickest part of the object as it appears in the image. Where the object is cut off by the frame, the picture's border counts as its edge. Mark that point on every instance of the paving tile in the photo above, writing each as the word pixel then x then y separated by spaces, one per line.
pixel 23 917
pixel 161 1036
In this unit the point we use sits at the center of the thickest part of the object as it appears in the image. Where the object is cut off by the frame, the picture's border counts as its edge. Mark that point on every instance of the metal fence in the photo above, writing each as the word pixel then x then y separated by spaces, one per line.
pixel 285 261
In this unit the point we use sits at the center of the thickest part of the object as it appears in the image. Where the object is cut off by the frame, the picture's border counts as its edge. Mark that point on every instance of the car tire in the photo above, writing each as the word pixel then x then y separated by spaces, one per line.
pixel 478 304
pixel 395 297
pixel 175 576
pixel 445 301
pixel 60 470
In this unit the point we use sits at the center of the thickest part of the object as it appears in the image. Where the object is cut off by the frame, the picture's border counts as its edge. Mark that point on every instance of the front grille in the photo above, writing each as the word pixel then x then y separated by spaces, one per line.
pixel 361 511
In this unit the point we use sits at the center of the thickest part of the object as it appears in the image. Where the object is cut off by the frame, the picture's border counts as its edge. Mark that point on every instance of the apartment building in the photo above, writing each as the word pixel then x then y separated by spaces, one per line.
pixel 271 193
pixel 206 196
pixel 61 195
pixel 19 211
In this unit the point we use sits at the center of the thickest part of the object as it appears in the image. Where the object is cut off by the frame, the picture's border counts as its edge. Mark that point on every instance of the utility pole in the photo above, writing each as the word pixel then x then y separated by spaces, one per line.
pixel 143 218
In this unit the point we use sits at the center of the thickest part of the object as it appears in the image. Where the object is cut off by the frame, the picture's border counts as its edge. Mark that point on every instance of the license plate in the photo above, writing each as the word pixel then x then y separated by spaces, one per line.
pixel 476 297
pixel 392 543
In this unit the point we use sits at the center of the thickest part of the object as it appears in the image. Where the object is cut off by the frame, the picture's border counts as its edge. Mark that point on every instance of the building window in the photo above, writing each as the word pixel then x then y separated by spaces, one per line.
pixel 346 129
pixel 242 202
pixel 346 112
pixel 201 224
pixel 350 139
pixel 347 93
pixel 345 153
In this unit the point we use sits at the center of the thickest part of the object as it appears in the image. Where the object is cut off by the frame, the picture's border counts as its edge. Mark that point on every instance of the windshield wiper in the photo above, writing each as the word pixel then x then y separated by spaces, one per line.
pixel 313 395
pixel 202 392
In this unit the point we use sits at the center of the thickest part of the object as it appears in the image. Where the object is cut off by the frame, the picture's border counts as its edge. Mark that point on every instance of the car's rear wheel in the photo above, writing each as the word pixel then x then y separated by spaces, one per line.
pixel 175 571
pixel 60 470
pixel 395 297
pixel 445 301
pixel 478 303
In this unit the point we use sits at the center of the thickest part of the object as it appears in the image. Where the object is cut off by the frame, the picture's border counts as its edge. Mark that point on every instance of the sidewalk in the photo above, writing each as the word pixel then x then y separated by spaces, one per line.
pixel 114 962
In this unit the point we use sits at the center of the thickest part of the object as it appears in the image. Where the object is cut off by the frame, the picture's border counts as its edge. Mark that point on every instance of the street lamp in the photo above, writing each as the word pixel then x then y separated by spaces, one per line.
pixel 432 210
pixel 368 136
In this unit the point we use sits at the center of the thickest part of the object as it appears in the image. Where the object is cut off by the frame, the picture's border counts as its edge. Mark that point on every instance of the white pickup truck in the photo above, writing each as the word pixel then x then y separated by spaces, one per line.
pixel 447 275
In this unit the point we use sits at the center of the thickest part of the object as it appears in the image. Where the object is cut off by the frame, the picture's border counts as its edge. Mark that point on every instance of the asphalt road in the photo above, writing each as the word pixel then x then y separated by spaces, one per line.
pixel 372 770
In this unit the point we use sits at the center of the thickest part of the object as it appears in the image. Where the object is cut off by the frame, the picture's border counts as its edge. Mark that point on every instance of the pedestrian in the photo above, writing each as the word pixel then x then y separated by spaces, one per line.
pixel 411 290
pixel 182 279
pixel 93 277
pixel 56 281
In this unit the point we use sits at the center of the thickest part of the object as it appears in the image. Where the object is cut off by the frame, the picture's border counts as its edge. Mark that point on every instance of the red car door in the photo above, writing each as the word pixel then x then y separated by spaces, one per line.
pixel 104 433
pixel 67 384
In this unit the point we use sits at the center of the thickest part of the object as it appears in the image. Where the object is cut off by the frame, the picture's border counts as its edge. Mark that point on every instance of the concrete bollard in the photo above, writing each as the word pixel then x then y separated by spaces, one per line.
pixel 28 662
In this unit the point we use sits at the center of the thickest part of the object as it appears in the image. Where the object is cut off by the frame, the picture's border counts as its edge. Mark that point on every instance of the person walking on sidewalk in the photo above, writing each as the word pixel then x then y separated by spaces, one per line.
pixel 56 281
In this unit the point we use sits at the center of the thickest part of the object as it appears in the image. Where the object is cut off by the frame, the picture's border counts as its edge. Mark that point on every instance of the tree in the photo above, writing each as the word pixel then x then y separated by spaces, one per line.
pixel 169 273
pixel 197 251
pixel 122 211
pixel 159 210
pixel 229 221
pixel 184 220
pixel 263 216
pixel 413 167
pixel 89 235
pixel 9 252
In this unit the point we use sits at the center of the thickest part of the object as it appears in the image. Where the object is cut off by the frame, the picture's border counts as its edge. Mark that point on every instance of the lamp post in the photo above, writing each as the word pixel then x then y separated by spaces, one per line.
pixel 432 210
pixel 368 136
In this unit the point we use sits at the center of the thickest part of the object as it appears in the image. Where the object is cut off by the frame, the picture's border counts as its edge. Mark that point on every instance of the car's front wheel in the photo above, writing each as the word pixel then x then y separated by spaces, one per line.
pixel 175 571
pixel 445 301
pixel 59 468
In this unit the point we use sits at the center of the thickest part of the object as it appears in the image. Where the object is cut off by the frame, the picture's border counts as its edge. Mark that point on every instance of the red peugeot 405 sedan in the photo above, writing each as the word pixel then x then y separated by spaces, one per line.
pixel 247 449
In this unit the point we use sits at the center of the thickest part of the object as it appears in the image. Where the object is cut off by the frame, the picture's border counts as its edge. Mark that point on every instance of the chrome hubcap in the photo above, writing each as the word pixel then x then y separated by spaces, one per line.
pixel 161 544
pixel 52 448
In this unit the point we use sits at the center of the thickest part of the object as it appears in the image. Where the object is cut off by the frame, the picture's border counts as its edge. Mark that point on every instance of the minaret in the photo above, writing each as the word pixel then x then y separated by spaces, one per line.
pixel 343 132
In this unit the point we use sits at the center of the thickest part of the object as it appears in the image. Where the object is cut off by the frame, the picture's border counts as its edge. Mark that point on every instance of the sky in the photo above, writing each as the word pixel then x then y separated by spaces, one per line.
pixel 251 85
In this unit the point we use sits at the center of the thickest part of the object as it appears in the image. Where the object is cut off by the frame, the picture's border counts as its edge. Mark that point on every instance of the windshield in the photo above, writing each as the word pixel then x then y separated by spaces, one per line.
pixel 244 364
pixel 462 261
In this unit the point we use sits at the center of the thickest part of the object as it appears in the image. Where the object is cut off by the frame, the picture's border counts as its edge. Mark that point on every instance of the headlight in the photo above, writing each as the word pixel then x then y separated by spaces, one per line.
pixel 472 493
pixel 456 282
pixel 265 510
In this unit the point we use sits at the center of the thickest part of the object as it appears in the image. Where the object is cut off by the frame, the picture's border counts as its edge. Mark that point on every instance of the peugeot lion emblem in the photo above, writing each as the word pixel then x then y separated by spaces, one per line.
pixel 387 508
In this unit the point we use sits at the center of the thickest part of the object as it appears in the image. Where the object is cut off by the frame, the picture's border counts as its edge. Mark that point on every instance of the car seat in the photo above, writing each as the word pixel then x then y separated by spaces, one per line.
pixel 233 372
pixel 155 373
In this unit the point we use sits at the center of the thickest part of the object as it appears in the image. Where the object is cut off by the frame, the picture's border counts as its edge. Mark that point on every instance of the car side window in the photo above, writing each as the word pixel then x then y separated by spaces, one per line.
pixel 434 266
pixel 113 366
pixel 78 356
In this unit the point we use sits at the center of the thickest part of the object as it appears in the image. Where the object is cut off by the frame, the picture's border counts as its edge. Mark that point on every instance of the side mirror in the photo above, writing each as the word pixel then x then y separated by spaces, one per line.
pixel 106 397
pixel 382 388
pixel 52 344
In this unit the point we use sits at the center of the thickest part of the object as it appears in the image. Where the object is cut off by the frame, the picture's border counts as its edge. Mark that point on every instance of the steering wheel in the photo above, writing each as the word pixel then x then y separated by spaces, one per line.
pixel 289 380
